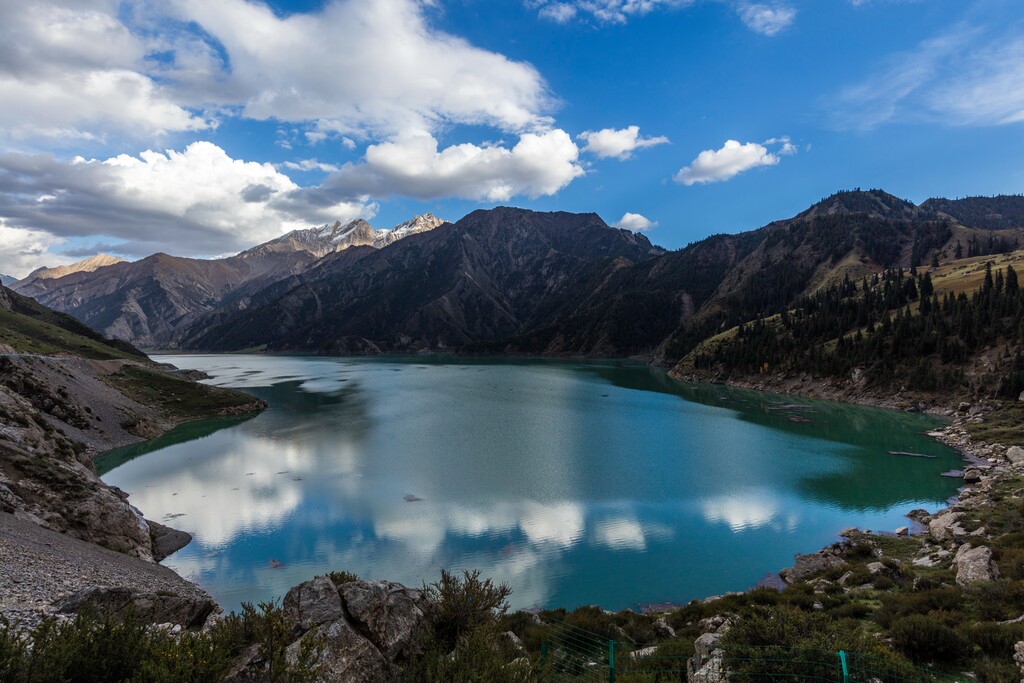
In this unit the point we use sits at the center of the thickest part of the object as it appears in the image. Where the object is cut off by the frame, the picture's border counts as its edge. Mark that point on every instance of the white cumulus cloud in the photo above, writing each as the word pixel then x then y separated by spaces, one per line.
pixel 621 143
pixel 194 202
pixel 413 166
pixel 92 68
pixel 359 66
pixel 733 158
pixel 635 222
pixel 72 69
pixel 766 19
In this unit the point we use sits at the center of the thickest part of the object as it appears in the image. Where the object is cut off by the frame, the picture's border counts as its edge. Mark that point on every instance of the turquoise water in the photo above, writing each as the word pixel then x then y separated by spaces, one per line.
pixel 577 483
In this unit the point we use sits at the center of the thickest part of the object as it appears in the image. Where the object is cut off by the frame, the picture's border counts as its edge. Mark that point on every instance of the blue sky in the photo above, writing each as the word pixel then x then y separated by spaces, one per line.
pixel 202 128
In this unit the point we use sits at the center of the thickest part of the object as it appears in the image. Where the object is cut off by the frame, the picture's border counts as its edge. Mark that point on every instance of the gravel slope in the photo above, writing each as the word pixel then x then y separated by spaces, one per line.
pixel 41 567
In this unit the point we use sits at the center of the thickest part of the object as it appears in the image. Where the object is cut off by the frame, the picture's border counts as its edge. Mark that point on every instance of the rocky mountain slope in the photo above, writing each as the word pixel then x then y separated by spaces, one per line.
pixel 7 279
pixel 67 394
pixel 35 283
pixel 487 277
pixel 516 281
pixel 147 301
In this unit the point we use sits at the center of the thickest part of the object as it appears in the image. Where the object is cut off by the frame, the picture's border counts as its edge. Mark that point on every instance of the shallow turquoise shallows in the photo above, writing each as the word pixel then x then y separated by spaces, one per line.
pixel 577 483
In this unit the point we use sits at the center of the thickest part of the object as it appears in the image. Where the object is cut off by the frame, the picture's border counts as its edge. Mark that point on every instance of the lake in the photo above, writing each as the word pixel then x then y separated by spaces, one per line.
pixel 576 482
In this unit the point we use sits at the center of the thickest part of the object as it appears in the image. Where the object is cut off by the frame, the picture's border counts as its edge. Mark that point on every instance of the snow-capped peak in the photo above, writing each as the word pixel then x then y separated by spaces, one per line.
pixel 413 226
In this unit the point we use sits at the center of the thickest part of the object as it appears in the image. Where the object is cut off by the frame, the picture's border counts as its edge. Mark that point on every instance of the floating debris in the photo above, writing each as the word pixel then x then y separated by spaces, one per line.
pixel 791 407
pixel 953 474
pixel 913 455
pixel 409 498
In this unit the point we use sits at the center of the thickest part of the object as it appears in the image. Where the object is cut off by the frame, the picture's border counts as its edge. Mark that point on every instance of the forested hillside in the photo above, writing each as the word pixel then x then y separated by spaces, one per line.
pixel 894 330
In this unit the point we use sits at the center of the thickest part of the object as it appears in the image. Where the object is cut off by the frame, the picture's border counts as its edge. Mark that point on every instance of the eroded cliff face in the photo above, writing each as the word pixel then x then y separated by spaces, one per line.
pixel 46 475
pixel 66 395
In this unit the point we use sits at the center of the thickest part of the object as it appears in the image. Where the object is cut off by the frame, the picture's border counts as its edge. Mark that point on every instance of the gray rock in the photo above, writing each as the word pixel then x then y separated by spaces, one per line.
pixel 346 655
pixel 313 603
pixel 368 630
pixel 946 527
pixel 806 565
pixel 512 639
pixel 166 540
pixel 902 531
pixel 392 616
pixel 708 662
pixel 974 565
pixel 1015 454
pixel 876 568
pixel 662 629
pixel 152 608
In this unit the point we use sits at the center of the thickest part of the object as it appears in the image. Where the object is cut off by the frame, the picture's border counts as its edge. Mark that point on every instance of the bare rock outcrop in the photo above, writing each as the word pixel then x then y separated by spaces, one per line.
pixel 946 527
pixel 708 662
pixel 369 631
pixel 188 611
pixel 813 563
pixel 974 565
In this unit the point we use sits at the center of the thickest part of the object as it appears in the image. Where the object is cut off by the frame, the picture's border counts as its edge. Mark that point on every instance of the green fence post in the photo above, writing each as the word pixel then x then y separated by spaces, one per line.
pixel 611 661
pixel 842 665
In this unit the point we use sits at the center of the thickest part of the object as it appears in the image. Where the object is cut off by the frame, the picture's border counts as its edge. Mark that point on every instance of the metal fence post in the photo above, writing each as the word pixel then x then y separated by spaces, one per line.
pixel 611 661
pixel 842 664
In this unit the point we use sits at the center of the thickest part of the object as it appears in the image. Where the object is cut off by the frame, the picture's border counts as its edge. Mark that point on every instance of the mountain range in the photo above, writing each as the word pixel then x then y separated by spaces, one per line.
pixel 147 301
pixel 510 280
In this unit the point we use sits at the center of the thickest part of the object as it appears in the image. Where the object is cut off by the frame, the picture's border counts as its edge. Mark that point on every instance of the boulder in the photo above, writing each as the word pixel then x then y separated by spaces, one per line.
pixel 876 568
pixel 708 662
pixel 313 603
pixel 946 527
pixel 974 564
pixel 152 608
pixel 662 629
pixel 391 615
pixel 902 531
pixel 1015 454
pixel 807 565
pixel 368 630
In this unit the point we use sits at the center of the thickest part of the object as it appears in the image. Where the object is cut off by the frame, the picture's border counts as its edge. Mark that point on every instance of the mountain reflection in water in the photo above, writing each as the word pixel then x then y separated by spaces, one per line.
pixel 578 483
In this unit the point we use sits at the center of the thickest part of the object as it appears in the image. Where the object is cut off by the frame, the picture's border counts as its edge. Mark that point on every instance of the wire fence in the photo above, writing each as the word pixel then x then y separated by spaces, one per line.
pixel 572 654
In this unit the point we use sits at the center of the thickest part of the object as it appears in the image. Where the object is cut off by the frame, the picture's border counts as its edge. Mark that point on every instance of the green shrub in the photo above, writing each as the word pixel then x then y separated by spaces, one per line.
pixel 88 649
pixel 896 605
pixel 996 600
pixel 993 639
pixel 926 640
pixel 461 604
pixel 339 579
pixel 992 671
pixel 480 656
